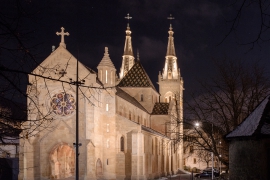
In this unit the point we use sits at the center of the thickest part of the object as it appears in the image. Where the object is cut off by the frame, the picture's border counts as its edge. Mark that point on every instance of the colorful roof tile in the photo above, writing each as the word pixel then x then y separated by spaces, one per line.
pixel 160 109
pixel 136 77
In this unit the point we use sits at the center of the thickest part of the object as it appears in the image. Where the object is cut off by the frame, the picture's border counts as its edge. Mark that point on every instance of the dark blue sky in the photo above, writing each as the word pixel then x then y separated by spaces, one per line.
pixel 199 27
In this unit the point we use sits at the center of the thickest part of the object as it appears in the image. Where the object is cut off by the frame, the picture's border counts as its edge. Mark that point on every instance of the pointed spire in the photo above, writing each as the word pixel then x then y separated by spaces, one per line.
pixel 128 46
pixel 106 60
pixel 170 48
pixel 128 57
pixel 170 70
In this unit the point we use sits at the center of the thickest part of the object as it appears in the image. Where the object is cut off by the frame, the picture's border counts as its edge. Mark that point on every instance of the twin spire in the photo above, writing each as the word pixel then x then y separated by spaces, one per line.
pixel 170 70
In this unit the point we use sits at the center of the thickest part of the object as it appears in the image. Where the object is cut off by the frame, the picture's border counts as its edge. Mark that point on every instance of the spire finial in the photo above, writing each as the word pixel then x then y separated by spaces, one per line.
pixel 170 18
pixel 128 18
pixel 138 55
pixel 62 33
pixel 106 50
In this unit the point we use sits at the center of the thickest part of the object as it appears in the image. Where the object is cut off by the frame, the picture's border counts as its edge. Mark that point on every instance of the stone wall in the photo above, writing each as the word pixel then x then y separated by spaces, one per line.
pixel 249 159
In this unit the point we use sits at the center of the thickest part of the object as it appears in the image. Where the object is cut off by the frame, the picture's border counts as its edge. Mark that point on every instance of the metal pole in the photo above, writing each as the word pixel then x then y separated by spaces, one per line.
pixel 77 122
pixel 212 165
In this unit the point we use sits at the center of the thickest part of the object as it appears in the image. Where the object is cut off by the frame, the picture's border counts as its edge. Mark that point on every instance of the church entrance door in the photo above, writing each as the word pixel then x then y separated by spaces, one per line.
pixel 62 160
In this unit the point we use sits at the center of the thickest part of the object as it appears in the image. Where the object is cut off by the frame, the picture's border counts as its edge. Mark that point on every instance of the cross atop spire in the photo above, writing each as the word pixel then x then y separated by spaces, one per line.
pixel 62 33
pixel 170 18
pixel 128 18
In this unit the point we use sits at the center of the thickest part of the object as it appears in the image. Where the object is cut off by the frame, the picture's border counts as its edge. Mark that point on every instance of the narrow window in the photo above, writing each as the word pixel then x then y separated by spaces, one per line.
pixel 122 143
pixel 108 143
pixel 170 98
pixel 112 77
pixel 107 161
pixel 141 97
pixel 106 80
pixel 107 107
pixel 169 75
pixel 194 161
pixel 101 75
pixel 129 115
pixel 191 149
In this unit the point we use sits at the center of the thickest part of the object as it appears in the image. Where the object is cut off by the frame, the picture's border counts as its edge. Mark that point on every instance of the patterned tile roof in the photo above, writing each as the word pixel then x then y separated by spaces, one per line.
pixel 128 98
pixel 160 109
pixel 136 77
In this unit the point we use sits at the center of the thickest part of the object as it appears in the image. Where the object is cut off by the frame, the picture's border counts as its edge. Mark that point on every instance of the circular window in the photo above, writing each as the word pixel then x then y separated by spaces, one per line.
pixel 63 104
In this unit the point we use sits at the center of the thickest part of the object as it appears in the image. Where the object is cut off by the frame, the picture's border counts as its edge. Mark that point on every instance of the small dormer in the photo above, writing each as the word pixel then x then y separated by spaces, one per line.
pixel 106 70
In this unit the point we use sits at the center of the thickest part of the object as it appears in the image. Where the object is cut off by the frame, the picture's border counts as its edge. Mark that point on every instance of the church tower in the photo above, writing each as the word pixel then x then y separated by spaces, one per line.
pixel 171 91
pixel 128 57
pixel 170 80
pixel 106 70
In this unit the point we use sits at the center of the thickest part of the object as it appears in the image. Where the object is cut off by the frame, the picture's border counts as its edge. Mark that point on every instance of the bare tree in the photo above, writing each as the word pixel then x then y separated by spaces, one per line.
pixel 224 102
pixel 240 19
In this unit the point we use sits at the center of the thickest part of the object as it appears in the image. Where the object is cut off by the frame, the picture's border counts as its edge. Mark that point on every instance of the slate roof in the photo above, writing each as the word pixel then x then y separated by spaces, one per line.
pixel 160 109
pixel 144 128
pixel 136 77
pixel 257 123
pixel 130 99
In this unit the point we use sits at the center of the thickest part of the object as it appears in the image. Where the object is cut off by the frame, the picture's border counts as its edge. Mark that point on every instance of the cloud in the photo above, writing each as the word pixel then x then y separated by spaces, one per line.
pixel 151 49
pixel 208 10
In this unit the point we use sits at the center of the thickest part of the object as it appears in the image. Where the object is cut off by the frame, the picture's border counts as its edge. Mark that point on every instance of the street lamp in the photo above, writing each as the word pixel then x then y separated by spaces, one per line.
pixel 197 124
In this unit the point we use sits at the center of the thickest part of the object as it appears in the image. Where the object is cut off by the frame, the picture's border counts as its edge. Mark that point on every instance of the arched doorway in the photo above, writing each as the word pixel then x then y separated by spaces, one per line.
pixel 62 162
pixel 99 172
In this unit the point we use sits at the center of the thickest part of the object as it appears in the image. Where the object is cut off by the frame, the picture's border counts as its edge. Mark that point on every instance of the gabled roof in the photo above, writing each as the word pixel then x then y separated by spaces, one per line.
pixel 93 72
pixel 136 77
pixel 257 123
pixel 160 109
pixel 130 99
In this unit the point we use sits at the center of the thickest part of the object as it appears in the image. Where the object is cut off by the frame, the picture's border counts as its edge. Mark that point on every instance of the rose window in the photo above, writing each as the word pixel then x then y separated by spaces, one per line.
pixel 63 104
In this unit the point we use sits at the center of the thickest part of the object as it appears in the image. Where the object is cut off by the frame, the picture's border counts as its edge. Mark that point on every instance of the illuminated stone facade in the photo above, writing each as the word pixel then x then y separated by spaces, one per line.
pixel 124 129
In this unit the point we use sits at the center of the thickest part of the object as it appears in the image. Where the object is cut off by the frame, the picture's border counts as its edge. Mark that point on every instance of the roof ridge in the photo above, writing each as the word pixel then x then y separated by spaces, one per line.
pixel 124 95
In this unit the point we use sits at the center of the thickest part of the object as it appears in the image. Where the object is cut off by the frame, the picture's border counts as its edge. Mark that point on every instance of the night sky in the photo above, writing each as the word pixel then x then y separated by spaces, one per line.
pixel 199 28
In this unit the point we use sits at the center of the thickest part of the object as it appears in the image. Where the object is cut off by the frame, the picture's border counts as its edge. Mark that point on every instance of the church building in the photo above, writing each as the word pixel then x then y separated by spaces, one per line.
pixel 127 129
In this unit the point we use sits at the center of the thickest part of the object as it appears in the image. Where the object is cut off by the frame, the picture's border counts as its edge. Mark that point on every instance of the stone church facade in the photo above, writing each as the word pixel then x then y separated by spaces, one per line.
pixel 126 126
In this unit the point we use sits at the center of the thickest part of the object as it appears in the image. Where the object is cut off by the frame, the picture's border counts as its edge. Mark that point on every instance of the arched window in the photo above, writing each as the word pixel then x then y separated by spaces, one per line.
pixel 122 142
pixel 169 75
